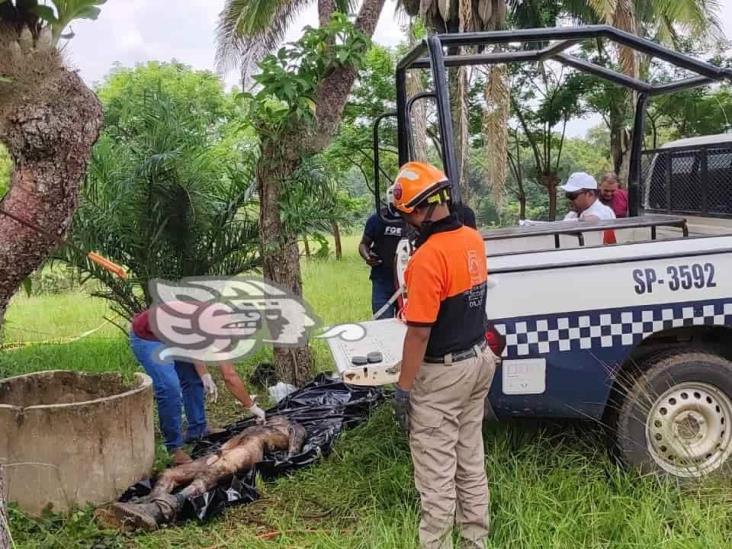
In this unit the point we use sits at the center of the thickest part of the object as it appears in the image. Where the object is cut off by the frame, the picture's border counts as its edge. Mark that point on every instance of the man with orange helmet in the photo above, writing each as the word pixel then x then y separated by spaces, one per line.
pixel 446 368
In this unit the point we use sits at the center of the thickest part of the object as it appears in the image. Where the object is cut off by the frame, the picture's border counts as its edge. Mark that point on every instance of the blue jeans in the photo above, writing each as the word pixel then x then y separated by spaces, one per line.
pixel 174 383
pixel 381 290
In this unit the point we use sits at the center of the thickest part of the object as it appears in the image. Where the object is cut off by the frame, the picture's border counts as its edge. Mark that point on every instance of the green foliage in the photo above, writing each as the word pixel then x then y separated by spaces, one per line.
pixel 289 79
pixel 56 16
pixel 552 483
pixel 323 250
pixel 66 11
pixel 581 155
pixel 598 137
pixel 168 188
pixel 374 92
pixel 351 153
pixel 543 101
pixel 537 13
pixel 701 111
pixel 577 155
pixel 55 530
pixel 284 109
pixel 6 170
pixel 313 201
pixel 200 91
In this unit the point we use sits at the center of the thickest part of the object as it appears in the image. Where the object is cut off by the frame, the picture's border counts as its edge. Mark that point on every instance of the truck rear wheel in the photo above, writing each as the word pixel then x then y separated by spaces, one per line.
pixel 676 417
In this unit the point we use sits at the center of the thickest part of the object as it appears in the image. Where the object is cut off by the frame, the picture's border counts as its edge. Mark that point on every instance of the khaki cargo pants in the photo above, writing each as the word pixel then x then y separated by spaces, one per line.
pixel 446 441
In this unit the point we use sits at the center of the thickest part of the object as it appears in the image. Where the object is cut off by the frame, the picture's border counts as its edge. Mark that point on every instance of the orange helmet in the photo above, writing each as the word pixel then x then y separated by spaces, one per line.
pixel 416 183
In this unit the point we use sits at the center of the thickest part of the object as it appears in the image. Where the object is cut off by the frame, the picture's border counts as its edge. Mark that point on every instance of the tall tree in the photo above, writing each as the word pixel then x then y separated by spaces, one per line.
pixel 470 16
pixel 49 120
pixel 168 193
pixel 311 109
pixel 544 127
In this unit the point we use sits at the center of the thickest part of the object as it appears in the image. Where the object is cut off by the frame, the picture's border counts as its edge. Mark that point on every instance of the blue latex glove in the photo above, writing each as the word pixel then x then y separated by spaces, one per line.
pixel 401 408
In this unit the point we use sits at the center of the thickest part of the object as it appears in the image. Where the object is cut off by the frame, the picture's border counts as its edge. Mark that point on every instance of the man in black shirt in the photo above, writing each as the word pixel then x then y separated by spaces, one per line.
pixel 378 248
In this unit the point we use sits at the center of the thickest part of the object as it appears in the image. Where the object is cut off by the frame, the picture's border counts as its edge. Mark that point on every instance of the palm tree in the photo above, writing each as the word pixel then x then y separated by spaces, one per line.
pixel 470 16
pixel 246 30
pixel 249 30
pixel 168 196
pixel 49 120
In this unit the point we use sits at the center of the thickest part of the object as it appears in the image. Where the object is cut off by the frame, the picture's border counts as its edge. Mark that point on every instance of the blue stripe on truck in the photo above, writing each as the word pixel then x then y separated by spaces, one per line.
pixel 605 328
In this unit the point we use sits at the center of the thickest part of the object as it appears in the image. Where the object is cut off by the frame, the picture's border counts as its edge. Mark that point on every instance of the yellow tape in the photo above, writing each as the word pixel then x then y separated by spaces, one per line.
pixel 60 341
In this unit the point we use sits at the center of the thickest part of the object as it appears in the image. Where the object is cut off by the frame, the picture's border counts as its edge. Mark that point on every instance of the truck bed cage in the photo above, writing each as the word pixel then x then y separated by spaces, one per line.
pixel 574 228
pixel 439 51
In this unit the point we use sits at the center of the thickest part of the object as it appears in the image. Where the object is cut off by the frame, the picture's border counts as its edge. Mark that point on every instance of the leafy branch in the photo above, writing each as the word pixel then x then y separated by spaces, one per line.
pixel 56 15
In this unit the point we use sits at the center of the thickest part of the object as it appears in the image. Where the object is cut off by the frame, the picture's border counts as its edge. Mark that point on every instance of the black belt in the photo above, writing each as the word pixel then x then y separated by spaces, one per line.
pixel 449 358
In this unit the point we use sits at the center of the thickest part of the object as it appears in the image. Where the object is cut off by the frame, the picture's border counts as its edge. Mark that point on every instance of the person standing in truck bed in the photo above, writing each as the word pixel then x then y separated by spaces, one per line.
pixel 582 192
pixel 612 196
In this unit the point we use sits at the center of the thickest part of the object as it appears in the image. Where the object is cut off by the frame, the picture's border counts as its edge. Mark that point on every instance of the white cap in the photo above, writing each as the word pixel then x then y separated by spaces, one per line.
pixel 578 181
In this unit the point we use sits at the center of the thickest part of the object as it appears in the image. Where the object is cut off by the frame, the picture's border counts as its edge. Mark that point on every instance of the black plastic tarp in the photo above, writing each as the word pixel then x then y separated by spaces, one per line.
pixel 325 407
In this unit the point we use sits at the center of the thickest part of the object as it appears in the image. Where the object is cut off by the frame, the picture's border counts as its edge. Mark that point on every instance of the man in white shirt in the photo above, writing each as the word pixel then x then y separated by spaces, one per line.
pixel 582 191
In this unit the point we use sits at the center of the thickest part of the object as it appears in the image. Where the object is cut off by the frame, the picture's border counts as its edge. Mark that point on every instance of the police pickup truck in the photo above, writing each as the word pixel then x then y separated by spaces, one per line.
pixel 637 335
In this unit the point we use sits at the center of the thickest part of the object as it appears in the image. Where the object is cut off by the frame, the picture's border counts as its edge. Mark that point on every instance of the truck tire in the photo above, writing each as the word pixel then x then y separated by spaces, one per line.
pixel 676 417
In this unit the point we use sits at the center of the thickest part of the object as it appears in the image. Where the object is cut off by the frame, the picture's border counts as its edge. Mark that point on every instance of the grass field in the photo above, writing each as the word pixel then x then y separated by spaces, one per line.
pixel 552 484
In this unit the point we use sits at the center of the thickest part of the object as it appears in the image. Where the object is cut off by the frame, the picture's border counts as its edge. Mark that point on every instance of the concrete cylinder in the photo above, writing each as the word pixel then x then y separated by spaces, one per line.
pixel 68 438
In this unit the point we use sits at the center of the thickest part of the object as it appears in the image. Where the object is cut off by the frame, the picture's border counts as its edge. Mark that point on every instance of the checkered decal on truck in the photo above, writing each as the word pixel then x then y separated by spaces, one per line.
pixel 540 335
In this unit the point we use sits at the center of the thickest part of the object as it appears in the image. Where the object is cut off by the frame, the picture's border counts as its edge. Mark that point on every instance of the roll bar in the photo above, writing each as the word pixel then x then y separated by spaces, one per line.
pixel 434 53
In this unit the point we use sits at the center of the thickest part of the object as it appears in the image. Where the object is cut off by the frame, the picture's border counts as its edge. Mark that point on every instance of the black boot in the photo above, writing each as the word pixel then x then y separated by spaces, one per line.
pixel 143 516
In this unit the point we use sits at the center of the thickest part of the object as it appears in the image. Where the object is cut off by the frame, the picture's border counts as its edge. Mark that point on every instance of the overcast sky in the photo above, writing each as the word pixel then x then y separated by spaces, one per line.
pixel 135 31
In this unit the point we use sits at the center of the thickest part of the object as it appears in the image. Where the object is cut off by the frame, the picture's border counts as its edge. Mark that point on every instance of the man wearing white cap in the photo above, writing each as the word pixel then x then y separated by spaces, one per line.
pixel 582 191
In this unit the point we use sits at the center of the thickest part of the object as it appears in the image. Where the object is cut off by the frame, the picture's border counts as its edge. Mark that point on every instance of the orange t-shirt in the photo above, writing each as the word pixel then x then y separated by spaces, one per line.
pixel 446 287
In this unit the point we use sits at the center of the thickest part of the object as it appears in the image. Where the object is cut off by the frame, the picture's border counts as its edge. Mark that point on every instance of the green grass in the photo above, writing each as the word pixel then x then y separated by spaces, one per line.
pixel 552 484
pixel 52 317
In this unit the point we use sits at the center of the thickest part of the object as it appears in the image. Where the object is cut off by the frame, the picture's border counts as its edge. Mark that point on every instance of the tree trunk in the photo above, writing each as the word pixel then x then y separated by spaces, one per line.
pixel 495 130
pixel 280 253
pixel 49 121
pixel 522 201
pixel 335 88
pixel 550 182
pixel 654 132
pixel 617 130
pixel 4 521
pixel 419 112
pixel 337 238
pixel 280 157
pixel 625 19
pixel 325 11
pixel 457 82
pixel 419 117
pixel 624 170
